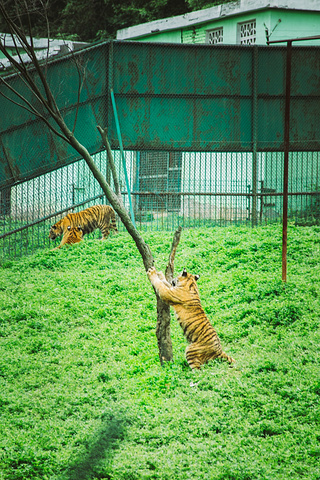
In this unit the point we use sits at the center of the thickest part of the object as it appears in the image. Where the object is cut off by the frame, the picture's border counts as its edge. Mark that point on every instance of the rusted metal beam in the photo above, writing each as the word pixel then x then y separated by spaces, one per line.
pixel 314 37
pixel 286 162
pixel 223 194
pixel 254 213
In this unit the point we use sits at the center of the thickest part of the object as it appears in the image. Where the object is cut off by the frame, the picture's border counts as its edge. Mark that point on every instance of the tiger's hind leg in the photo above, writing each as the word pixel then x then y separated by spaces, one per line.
pixel 113 223
pixel 105 234
pixel 226 357
pixel 105 230
pixel 195 356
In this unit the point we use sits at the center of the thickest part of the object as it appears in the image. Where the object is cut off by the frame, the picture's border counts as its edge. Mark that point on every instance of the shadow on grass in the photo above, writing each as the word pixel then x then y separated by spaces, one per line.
pixel 96 452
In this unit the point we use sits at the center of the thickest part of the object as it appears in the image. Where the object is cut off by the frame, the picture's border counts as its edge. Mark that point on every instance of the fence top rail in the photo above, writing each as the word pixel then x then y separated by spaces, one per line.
pixel 314 37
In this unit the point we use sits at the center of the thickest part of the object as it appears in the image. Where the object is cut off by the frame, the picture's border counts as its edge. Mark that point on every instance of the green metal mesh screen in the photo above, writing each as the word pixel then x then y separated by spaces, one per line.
pixel 202 128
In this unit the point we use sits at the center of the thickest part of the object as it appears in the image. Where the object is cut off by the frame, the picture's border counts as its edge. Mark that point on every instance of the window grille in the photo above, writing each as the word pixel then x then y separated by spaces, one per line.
pixel 215 36
pixel 247 33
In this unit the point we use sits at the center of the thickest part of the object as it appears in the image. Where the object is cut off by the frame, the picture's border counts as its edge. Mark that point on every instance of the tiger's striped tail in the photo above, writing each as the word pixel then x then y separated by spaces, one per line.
pixel 113 224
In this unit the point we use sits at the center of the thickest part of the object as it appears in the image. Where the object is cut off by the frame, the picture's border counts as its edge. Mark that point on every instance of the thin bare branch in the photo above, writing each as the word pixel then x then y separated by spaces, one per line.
pixel 13 36
pixel 29 25
pixel 170 267
pixel 15 63
pixel 24 74
pixel 31 109
pixel 80 86
pixel 111 161
pixel 14 29
pixel 50 101
pixel 48 44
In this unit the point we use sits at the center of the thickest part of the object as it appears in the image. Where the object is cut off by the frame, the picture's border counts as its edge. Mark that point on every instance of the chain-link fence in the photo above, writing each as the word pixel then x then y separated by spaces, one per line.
pixel 203 130
pixel 168 189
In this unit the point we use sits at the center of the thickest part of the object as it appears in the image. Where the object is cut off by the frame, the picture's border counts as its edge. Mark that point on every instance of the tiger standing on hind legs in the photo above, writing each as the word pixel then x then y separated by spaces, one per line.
pixel 183 295
pixel 98 216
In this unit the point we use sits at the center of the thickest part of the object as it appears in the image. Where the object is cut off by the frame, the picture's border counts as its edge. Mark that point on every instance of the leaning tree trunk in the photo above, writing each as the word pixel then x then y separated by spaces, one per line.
pixel 45 102
pixel 163 309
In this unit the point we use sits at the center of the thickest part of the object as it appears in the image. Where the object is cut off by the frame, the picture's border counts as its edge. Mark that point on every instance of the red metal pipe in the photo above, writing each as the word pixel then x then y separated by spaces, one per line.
pixel 286 162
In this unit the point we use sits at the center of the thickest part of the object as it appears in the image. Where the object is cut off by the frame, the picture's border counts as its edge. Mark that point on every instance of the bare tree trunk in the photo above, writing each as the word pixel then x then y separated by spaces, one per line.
pixel 116 203
pixel 163 309
pixel 163 332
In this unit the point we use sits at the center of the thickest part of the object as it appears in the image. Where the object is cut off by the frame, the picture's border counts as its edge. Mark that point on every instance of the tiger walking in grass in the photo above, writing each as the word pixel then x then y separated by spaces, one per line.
pixel 98 216
pixel 183 294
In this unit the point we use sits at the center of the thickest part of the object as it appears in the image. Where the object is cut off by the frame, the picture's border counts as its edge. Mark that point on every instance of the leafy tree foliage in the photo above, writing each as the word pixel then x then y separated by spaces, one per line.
pixel 90 21
pixel 200 4
pixel 97 19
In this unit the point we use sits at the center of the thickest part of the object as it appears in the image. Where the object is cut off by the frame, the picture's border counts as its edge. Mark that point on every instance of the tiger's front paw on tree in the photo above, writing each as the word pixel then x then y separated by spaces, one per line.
pixel 151 272
pixel 161 276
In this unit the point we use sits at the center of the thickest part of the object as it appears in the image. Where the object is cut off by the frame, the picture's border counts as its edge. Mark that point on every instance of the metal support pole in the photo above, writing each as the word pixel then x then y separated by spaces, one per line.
pixel 286 162
pixel 254 217
pixel 122 156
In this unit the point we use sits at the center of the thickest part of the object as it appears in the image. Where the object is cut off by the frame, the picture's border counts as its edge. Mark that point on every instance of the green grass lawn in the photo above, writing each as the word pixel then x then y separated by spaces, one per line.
pixel 82 392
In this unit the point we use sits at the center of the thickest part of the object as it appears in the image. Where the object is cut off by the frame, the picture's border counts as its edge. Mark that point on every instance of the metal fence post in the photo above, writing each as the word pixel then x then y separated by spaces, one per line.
pixel 254 136
pixel 286 162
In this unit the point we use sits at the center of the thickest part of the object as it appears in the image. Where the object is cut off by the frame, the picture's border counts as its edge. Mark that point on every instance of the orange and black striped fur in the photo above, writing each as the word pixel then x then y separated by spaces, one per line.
pixel 183 295
pixel 71 236
pixel 99 216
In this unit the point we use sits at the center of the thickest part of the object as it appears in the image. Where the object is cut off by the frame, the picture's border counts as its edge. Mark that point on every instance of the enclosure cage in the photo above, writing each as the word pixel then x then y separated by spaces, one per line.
pixel 200 140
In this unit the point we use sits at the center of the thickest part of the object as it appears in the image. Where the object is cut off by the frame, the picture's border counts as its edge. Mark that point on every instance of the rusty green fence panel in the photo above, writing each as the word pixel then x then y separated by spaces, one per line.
pixel 169 97
pixel 27 146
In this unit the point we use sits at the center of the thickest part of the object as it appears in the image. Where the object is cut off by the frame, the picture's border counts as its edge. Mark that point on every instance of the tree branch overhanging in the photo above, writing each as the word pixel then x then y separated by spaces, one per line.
pixel 17 32
pixel 31 109
pixel 170 267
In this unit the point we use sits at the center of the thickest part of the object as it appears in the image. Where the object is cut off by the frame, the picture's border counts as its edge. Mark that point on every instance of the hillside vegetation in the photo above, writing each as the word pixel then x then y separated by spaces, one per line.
pixel 98 20
pixel 82 392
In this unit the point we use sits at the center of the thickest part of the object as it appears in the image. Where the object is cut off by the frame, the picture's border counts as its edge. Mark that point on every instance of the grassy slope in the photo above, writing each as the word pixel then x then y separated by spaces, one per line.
pixel 82 394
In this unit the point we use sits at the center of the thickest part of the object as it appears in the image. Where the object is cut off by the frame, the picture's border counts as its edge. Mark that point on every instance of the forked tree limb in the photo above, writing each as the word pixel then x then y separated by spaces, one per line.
pixel 163 309
pixel 170 267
